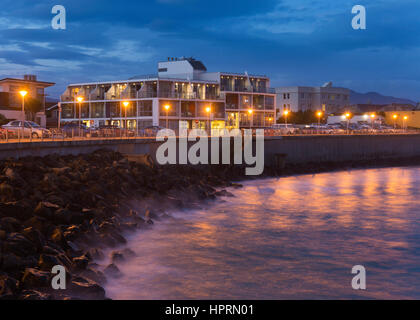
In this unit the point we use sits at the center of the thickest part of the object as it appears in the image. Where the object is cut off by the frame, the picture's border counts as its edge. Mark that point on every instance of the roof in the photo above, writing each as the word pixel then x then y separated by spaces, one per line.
pixel 43 83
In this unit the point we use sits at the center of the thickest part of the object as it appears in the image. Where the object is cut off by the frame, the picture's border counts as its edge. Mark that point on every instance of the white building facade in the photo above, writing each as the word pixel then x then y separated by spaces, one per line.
pixel 326 98
pixel 180 94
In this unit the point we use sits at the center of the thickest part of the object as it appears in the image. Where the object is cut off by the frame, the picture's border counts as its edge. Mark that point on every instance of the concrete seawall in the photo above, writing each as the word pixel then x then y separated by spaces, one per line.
pixel 296 149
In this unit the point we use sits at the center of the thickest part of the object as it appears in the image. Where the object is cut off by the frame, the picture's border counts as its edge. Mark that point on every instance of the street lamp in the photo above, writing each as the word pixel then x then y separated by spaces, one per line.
pixel 395 119
pixel 80 100
pixel 319 115
pixel 125 104
pixel 208 110
pixel 372 117
pixel 405 123
pixel 285 113
pixel 167 107
pixel 347 115
pixel 23 93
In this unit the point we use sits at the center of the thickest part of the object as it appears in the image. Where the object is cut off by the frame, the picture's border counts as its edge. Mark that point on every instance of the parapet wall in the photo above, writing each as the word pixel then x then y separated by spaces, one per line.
pixel 296 149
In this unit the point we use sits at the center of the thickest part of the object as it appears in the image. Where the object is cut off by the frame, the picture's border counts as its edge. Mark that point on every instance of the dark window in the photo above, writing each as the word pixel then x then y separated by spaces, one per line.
pixel 162 69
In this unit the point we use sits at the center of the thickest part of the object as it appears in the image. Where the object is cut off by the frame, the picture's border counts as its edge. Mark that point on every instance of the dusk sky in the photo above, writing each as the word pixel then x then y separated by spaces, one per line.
pixel 295 42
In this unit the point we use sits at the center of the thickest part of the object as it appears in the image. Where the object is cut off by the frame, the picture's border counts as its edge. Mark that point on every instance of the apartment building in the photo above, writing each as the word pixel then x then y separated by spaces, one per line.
pixel 182 93
pixel 326 98
pixel 11 100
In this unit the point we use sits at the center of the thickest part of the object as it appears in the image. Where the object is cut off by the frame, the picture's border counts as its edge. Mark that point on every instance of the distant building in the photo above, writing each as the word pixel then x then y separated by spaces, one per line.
pixel 369 107
pixel 11 100
pixel 326 98
pixel 412 118
pixel 184 86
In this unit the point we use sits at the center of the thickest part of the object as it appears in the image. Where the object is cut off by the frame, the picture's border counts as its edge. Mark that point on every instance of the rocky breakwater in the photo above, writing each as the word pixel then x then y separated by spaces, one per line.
pixel 64 210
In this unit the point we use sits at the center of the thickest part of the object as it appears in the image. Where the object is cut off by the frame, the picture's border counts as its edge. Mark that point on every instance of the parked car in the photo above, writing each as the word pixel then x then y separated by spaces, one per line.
pixel 72 129
pixel 28 128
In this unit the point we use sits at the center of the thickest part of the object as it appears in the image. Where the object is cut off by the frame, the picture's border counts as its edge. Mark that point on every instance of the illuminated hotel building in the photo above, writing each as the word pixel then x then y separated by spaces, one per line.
pixel 182 92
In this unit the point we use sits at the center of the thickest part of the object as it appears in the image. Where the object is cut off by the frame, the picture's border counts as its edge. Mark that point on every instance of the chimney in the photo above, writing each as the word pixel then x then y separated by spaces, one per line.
pixel 29 77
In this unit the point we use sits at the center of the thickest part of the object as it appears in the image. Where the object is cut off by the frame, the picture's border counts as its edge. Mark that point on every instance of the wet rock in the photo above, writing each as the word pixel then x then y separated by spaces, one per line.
pixel 47 262
pixel 96 254
pixel 12 262
pixel 87 289
pixel 117 256
pixel 81 262
pixel 10 224
pixel 35 237
pixel 112 271
pixel 34 295
pixel 94 275
pixel 19 245
pixel 45 209
pixel 34 278
pixel 8 287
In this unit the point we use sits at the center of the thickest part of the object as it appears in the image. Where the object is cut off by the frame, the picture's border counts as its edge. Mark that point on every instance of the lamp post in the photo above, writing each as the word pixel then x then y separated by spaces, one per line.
pixel 208 110
pixel 125 104
pixel 23 93
pixel 372 118
pixel 251 113
pixel 285 114
pixel 319 115
pixel 347 115
pixel 80 100
pixel 167 107
pixel 405 123
pixel 395 120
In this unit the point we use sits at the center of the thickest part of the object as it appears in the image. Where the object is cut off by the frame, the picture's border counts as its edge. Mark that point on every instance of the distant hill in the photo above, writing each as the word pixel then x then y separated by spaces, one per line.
pixel 376 98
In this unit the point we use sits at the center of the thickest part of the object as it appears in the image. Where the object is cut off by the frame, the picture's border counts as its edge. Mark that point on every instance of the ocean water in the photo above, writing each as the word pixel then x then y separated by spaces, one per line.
pixel 288 238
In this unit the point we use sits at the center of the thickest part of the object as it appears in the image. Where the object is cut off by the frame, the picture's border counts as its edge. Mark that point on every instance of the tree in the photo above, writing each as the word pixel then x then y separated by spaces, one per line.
pixel 3 120
pixel 32 106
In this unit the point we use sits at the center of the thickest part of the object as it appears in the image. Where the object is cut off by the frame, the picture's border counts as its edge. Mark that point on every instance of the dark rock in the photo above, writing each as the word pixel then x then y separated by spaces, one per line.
pixel 87 289
pixel 112 271
pixel 10 224
pixel 96 254
pixel 117 256
pixel 94 275
pixel 81 262
pixel 35 236
pixel 34 295
pixel 45 209
pixel 8 287
pixel 34 278
pixel 16 243
pixel 47 262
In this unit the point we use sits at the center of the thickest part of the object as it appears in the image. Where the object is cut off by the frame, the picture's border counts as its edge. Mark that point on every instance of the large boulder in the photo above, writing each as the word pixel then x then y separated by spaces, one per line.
pixel 17 243
pixel 33 278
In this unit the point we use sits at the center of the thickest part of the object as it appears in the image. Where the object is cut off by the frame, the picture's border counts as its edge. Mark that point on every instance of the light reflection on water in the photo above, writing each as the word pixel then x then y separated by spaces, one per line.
pixel 289 238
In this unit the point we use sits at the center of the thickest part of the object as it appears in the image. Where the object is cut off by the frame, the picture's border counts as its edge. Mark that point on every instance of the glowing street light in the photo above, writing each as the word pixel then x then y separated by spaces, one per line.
pixel 372 118
pixel 167 107
pixel 251 113
pixel 208 110
pixel 395 119
pixel 80 100
pixel 405 122
pixel 23 93
pixel 319 115
pixel 347 116
pixel 126 104
pixel 285 114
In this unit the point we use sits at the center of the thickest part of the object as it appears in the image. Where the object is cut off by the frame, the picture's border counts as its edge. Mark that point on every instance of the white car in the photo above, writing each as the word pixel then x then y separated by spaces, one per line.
pixel 29 128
